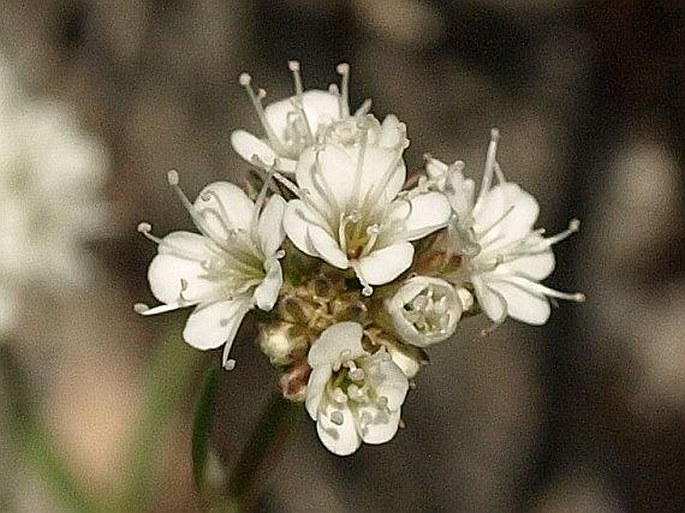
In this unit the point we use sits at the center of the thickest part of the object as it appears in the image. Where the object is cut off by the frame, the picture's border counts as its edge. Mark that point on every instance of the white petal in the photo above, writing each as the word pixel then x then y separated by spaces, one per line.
pixel 170 275
pixel 336 339
pixel 266 293
pixel 328 183
pixel 296 220
pixel 382 428
pixel 507 213
pixel 315 388
pixel 286 165
pixel 386 264
pixel 377 172
pixel 392 131
pixel 341 440
pixel 393 385
pixel 225 206
pixel 326 247
pixel 523 304
pixel 247 146
pixel 402 356
pixel 192 246
pixel 491 301
pixel 211 325
pixel 270 230
pixel 320 108
pixel 427 213
pixel 537 266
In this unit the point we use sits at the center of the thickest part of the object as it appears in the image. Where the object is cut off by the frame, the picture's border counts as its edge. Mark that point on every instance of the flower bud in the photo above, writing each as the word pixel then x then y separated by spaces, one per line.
pixel 425 310
pixel 282 343
pixel 294 382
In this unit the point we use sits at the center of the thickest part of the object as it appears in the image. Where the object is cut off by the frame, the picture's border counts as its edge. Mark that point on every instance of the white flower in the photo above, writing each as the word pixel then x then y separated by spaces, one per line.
pixel 51 177
pixel 350 211
pixel 293 124
pixel 425 310
pixel 504 258
pixel 226 270
pixel 352 395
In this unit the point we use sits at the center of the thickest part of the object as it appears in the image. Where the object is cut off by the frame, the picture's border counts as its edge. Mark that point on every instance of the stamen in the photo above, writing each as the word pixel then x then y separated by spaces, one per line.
pixel 288 185
pixel 499 174
pixel 573 227
pixel 364 108
pixel 173 179
pixel 337 418
pixel 489 164
pixel 259 203
pixel 140 308
pixel 345 356
pixel 357 374
pixel 538 288
pixel 372 232
pixel 294 66
pixel 339 396
pixel 355 393
pixel 229 365
pixel 245 80
pixel 298 105
pixel 367 289
pixel 360 165
pixel 145 229
pixel 343 69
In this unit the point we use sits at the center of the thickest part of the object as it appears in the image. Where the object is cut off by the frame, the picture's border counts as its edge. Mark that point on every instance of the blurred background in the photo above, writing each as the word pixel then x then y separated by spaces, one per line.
pixel 586 414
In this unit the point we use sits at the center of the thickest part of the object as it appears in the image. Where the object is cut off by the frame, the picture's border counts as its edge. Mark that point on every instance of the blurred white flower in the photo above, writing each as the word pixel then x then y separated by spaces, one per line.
pixel 504 258
pixel 295 123
pixel 425 310
pixel 350 209
pixel 51 175
pixel 226 270
pixel 352 395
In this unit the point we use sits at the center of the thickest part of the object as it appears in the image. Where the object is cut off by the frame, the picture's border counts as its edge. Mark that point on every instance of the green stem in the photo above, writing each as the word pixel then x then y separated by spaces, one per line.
pixel 263 449
pixel 167 380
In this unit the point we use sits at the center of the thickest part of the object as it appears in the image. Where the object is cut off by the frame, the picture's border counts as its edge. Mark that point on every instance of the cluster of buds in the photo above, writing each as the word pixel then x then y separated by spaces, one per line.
pixel 350 267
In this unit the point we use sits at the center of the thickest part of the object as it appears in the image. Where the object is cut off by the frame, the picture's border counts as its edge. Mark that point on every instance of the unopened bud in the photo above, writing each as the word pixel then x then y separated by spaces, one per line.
pixel 282 343
pixel 294 382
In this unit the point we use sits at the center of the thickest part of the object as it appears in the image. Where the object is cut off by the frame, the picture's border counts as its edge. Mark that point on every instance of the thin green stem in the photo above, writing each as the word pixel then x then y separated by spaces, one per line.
pixel 263 449
pixel 167 380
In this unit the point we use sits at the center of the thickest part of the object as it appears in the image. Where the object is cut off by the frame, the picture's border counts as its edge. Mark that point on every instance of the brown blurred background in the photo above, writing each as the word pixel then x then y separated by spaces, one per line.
pixel 586 414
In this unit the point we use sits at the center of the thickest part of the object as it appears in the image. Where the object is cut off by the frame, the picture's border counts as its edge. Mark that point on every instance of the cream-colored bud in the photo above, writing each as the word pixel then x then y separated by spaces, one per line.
pixel 282 343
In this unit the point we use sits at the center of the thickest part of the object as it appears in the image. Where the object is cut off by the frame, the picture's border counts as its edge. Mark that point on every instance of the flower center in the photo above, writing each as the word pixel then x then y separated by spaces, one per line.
pixel 356 236
pixel 429 311
pixel 351 386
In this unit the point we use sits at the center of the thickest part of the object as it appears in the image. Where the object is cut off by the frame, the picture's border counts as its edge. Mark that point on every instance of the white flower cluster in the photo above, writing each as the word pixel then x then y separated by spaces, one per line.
pixel 51 175
pixel 354 270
